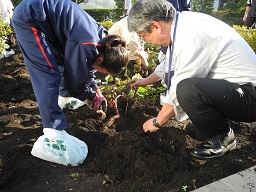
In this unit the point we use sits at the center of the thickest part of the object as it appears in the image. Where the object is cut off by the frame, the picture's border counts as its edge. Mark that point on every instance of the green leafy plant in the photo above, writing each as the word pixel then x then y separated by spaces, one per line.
pixel 184 188
pixel 153 52
pixel 74 176
pixel 204 6
pixel 4 31
pixel 114 87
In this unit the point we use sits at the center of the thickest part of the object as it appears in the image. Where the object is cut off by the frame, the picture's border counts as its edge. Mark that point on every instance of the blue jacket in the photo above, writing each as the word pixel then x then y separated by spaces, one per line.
pixel 76 37
pixel 180 5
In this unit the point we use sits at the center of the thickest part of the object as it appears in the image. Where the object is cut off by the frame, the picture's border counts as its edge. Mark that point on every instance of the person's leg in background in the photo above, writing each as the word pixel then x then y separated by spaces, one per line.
pixel 250 22
pixel 209 103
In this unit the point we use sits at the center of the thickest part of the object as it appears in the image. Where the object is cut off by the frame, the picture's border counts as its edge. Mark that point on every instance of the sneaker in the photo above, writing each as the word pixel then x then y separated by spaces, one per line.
pixel 9 53
pixel 70 102
pixel 217 146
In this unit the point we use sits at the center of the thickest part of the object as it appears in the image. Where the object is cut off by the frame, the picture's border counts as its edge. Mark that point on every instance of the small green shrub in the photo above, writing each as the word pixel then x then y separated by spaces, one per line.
pixel 5 29
pixel 107 24
pixel 249 35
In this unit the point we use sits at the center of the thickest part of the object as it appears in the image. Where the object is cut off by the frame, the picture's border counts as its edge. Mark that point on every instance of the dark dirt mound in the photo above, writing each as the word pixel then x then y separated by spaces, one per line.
pixel 121 156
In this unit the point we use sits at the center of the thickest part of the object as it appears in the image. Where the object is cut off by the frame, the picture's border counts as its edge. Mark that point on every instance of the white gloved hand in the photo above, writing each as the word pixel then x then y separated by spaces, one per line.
pixel 60 147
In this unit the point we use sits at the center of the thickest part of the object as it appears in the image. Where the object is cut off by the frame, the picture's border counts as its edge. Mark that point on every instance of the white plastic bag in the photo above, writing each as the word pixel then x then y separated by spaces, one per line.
pixel 60 147
pixel 69 102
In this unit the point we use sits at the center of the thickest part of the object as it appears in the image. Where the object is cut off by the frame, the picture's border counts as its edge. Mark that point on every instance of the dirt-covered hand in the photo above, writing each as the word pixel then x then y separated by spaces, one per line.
pixel 149 127
pixel 136 82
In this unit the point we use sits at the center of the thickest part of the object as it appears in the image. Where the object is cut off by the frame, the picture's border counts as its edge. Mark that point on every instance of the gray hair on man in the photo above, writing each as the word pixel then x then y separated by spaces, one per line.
pixel 145 11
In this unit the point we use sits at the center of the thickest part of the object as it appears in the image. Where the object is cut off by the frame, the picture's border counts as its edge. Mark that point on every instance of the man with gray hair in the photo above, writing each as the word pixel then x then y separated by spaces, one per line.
pixel 210 73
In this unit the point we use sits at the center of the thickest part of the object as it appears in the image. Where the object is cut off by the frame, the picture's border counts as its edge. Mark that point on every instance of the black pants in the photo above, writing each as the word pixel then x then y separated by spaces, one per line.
pixel 250 21
pixel 209 102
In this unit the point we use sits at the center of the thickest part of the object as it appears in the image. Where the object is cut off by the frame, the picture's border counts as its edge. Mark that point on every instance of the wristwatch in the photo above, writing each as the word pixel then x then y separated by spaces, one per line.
pixel 155 123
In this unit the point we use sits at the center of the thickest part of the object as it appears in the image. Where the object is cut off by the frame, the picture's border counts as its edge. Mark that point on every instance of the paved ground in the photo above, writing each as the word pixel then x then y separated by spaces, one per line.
pixel 244 181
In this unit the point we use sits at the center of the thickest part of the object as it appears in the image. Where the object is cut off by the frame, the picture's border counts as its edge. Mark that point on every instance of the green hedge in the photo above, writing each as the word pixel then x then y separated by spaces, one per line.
pixel 249 35
pixel 107 24
pixel 229 17
pixel 105 14
pixel 101 15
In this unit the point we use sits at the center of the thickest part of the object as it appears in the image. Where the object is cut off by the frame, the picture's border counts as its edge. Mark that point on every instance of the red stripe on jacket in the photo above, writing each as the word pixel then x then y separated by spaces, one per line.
pixel 92 43
pixel 41 47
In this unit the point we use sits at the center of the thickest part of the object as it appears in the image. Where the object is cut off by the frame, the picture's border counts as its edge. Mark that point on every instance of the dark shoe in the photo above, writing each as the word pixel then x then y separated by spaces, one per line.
pixel 217 146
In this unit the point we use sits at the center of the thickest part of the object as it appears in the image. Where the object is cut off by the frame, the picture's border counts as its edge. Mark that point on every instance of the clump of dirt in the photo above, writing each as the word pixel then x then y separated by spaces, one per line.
pixel 121 156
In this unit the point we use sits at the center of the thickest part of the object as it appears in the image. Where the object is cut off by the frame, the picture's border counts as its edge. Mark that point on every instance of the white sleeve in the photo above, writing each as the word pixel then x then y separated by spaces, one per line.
pixel 159 70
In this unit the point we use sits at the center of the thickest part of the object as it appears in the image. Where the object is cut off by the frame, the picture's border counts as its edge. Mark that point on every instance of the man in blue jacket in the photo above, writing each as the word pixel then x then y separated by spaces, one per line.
pixel 58 39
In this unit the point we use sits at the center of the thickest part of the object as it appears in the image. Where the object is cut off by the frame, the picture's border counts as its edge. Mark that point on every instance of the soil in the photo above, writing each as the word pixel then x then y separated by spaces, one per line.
pixel 121 156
